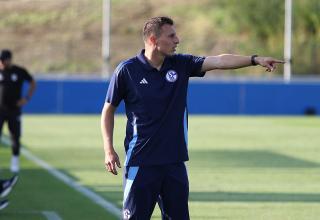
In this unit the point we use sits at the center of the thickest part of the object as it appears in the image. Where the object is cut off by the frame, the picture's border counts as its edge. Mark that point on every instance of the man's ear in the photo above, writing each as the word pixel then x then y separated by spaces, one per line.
pixel 153 39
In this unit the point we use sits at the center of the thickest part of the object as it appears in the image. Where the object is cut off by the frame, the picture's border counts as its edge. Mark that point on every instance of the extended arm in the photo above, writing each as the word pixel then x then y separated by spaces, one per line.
pixel 107 125
pixel 230 61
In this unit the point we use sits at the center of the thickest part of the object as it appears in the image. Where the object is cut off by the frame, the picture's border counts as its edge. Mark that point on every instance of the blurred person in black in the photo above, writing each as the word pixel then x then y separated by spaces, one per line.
pixel 12 78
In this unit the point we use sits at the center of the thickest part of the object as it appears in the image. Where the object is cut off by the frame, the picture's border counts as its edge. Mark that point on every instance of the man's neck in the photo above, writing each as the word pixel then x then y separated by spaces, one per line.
pixel 154 58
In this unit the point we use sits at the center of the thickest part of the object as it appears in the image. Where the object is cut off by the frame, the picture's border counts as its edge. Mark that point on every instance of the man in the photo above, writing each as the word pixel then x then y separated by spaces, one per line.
pixel 154 86
pixel 5 188
pixel 12 78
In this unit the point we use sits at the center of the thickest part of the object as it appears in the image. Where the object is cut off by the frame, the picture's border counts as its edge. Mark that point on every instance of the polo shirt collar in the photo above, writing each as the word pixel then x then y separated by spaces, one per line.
pixel 166 63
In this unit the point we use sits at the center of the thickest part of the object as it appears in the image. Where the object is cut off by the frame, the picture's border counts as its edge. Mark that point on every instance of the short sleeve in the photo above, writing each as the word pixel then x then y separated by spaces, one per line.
pixel 116 89
pixel 195 65
pixel 26 75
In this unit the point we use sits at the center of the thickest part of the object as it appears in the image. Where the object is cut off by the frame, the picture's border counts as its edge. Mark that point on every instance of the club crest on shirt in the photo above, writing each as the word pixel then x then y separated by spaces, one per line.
pixel 14 77
pixel 1 77
pixel 171 76
pixel 126 214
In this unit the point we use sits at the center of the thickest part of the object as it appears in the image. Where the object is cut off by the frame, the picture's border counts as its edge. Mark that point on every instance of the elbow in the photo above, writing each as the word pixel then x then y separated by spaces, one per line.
pixel 108 109
pixel 33 84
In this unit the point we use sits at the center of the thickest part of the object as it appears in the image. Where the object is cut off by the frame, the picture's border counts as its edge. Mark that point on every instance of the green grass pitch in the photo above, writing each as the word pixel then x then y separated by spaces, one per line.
pixel 240 168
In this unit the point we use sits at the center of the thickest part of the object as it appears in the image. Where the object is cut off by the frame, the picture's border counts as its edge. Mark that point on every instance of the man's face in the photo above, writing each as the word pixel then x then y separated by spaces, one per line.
pixel 168 40
pixel 5 63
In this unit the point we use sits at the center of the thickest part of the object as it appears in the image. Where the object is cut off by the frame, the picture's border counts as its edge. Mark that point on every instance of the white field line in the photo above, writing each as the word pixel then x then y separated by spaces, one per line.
pixel 99 200
pixel 51 215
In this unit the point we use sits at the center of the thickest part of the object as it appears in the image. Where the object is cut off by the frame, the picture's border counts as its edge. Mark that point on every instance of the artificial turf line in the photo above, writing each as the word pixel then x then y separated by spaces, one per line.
pixel 99 200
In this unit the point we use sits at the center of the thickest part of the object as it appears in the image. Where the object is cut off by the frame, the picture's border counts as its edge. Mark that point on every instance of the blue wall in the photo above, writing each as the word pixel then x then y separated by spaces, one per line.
pixel 205 97
pixel 272 98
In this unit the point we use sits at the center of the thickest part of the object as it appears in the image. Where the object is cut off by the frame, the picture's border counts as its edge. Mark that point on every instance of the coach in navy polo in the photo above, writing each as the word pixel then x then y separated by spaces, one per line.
pixel 153 86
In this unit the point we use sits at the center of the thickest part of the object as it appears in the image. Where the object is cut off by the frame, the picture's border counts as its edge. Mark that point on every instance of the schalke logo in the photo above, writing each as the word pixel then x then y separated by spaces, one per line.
pixel 126 214
pixel 171 76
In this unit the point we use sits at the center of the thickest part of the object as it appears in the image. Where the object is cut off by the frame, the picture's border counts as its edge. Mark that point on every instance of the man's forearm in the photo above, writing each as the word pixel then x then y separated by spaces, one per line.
pixel 111 159
pixel 226 61
pixel 31 89
pixel 107 126
pixel 230 61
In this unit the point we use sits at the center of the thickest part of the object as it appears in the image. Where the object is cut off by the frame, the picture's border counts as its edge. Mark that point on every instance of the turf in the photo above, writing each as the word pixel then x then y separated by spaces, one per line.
pixel 240 168
pixel 37 191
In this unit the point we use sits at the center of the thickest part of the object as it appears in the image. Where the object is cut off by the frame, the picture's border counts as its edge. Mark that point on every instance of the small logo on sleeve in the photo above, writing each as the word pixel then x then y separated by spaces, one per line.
pixel 171 76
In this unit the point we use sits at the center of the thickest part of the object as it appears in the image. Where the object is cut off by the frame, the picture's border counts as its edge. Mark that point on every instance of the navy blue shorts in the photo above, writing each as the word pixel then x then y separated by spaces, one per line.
pixel 145 186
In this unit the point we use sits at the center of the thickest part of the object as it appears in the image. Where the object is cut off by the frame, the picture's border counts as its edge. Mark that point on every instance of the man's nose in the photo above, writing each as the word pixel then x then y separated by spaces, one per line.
pixel 176 40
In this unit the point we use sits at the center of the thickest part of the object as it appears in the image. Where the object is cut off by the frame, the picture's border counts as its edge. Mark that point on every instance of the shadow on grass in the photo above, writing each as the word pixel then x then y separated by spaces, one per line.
pixel 248 158
pixel 253 197
pixel 234 196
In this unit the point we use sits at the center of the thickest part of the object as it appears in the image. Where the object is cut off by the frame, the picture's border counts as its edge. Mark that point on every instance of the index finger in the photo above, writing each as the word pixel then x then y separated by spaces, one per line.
pixel 279 61
pixel 113 168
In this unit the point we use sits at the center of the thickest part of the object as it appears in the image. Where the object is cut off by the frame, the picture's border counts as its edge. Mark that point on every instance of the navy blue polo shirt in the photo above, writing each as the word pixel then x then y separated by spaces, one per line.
pixel 156 107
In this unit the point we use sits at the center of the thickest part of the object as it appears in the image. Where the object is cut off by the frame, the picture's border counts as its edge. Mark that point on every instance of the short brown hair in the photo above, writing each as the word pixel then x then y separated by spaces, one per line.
pixel 153 26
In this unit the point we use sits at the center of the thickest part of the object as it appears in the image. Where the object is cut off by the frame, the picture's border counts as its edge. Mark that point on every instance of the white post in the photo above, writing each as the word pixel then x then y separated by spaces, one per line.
pixel 287 40
pixel 106 37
